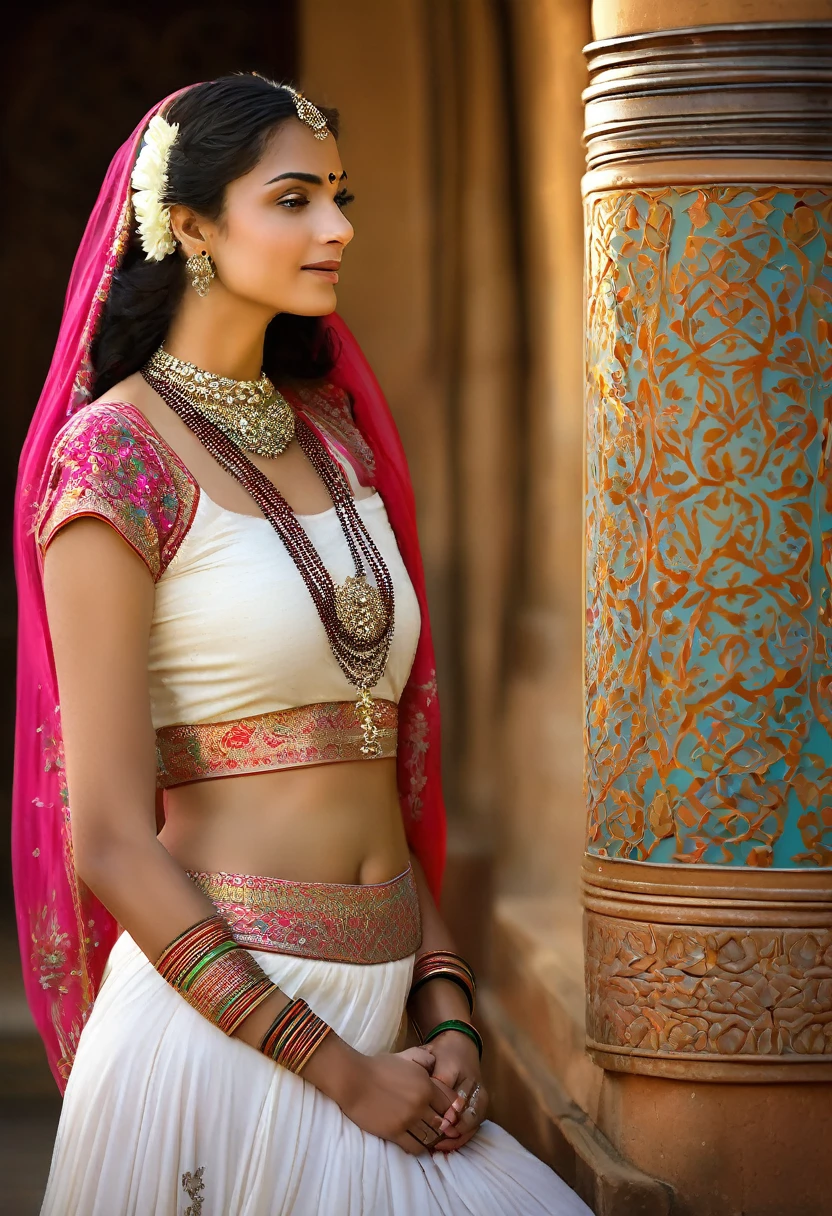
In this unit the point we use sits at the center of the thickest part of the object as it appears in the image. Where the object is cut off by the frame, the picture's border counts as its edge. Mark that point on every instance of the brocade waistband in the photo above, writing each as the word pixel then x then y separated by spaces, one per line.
pixel 340 922
pixel 322 733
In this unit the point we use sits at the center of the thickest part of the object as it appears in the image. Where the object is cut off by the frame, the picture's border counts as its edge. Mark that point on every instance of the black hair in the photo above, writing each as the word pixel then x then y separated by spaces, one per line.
pixel 224 127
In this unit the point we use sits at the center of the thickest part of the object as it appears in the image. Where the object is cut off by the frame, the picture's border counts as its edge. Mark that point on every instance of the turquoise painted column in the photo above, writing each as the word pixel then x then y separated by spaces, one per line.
pixel 709 525
pixel 708 644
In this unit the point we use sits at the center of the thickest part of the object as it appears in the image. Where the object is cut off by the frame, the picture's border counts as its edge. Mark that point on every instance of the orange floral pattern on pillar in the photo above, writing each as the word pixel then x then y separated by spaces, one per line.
pixel 708 645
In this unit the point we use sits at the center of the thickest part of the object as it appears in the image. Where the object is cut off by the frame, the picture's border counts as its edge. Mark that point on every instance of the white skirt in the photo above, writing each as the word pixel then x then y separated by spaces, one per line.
pixel 165 1115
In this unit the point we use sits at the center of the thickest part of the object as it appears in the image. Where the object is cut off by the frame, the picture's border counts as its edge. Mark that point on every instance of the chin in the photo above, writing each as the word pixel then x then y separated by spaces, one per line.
pixel 322 307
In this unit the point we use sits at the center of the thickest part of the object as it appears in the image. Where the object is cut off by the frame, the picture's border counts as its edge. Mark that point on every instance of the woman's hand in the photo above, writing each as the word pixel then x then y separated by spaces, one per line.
pixel 457 1066
pixel 393 1096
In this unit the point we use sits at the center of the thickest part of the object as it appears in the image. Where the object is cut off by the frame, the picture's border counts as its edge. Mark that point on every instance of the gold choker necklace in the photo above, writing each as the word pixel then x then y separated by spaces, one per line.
pixel 252 413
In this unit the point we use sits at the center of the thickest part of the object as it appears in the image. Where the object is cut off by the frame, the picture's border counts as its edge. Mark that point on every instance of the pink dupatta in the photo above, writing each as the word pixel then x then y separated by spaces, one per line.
pixel 65 933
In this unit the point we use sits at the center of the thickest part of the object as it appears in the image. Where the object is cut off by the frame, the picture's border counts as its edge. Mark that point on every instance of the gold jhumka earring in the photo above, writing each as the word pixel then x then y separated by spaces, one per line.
pixel 201 269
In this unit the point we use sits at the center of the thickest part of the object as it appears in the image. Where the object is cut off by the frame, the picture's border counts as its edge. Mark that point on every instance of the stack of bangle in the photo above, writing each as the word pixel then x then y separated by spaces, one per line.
pixel 294 1035
pixel 456 1024
pixel 446 965
pixel 214 974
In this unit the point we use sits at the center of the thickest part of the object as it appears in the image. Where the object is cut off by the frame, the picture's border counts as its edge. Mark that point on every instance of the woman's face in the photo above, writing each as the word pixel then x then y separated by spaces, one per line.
pixel 281 236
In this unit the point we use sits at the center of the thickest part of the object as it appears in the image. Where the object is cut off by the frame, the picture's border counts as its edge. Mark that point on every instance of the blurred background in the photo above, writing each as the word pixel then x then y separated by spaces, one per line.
pixel 461 134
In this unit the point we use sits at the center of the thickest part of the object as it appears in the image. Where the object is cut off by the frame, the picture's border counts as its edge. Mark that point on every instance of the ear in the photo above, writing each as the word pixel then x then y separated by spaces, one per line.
pixel 188 230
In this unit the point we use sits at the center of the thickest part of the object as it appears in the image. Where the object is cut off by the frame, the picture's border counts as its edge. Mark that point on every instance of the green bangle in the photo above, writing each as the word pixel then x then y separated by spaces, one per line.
pixel 456 1024
pixel 205 961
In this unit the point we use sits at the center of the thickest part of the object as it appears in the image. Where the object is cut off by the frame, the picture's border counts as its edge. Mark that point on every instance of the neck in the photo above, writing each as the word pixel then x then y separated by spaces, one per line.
pixel 220 334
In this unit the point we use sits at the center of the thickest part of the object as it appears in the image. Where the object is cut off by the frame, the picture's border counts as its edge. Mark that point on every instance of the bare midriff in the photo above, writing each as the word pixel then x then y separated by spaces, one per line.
pixel 321 823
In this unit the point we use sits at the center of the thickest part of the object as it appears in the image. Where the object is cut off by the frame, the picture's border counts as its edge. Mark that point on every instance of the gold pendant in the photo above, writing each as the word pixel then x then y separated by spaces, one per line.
pixel 360 608
pixel 364 710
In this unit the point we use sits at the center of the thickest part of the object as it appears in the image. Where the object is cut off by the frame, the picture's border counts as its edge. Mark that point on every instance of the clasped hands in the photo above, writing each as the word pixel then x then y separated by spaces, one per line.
pixel 456 1071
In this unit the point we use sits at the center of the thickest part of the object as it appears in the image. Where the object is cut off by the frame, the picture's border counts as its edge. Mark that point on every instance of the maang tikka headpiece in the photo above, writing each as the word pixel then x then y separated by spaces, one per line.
pixel 308 113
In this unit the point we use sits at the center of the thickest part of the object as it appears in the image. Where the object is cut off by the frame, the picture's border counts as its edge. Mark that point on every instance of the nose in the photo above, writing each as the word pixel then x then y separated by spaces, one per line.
pixel 340 230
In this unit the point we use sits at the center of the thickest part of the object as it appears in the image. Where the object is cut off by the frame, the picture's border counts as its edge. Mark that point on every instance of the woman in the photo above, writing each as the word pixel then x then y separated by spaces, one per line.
pixel 221 590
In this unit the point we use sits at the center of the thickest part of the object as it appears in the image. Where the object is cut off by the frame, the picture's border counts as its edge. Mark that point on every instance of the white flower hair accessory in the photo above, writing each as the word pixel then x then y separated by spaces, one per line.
pixel 150 182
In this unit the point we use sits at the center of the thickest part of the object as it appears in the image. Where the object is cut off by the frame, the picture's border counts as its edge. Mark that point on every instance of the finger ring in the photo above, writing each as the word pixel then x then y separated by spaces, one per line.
pixel 472 1101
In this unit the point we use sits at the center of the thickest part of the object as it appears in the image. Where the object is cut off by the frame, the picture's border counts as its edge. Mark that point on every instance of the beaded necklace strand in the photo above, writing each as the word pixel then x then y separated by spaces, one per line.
pixel 357 616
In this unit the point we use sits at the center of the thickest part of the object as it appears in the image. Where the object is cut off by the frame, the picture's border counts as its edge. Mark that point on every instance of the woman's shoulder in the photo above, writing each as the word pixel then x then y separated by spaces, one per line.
pixel 331 408
pixel 106 461
pixel 113 418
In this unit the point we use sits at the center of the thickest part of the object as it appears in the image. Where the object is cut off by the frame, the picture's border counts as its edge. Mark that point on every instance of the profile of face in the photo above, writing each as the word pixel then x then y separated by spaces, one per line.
pixel 279 241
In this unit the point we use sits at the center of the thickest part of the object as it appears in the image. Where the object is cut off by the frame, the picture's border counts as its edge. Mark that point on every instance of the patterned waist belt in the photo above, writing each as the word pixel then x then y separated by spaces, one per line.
pixel 323 733
pixel 340 922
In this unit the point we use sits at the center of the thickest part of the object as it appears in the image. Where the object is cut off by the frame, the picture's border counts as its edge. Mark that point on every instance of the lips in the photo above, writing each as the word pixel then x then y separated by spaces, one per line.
pixel 324 270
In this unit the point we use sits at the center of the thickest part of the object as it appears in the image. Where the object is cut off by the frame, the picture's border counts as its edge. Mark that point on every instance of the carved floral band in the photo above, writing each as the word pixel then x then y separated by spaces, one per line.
pixel 323 733
pixel 339 922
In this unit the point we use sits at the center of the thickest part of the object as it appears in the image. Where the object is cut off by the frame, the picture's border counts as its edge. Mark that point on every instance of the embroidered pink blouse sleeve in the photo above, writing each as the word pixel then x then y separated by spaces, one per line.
pixel 102 464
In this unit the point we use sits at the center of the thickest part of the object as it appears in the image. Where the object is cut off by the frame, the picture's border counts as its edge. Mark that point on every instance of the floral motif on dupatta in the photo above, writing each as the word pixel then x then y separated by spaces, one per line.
pixel 414 741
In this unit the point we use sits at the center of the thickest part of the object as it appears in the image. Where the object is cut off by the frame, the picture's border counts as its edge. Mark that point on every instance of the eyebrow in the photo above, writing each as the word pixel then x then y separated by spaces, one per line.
pixel 312 178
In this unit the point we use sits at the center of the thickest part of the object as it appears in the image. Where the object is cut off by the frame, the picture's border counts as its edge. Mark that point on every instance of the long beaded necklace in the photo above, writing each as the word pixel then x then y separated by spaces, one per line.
pixel 357 616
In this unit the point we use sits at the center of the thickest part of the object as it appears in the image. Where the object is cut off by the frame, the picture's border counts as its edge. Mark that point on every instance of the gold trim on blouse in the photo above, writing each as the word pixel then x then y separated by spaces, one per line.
pixel 323 733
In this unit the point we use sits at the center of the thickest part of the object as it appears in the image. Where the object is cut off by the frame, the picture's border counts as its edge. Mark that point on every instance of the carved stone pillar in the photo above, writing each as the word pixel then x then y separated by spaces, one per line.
pixel 708 645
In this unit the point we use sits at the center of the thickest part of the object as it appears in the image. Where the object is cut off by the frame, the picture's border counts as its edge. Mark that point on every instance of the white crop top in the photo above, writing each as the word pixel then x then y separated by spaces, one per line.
pixel 242 676
pixel 235 632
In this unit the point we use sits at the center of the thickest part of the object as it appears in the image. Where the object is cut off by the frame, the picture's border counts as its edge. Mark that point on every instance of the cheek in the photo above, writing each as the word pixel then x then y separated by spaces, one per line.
pixel 264 253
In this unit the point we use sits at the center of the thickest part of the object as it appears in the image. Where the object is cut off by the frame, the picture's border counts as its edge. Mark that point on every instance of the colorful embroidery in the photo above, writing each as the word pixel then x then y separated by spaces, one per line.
pixel 339 922
pixel 416 744
pixel 329 407
pixel 193 1186
pixel 323 733
pixel 62 948
pixel 105 463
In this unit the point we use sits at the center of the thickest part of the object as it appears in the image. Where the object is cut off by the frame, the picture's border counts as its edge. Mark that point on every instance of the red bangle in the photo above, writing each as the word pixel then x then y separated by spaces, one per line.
pixel 216 976
pixel 294 1035
pixel 445 964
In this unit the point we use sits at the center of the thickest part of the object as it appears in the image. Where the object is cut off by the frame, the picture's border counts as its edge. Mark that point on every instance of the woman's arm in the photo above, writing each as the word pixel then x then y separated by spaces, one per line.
pixel 457 1063
pixel 99 600
pixel 440 999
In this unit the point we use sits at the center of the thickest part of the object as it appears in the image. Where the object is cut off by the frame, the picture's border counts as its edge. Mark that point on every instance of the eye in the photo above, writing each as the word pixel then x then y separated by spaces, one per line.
pixel 343 199
pixel 293 202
